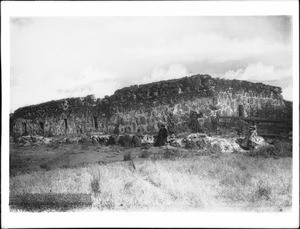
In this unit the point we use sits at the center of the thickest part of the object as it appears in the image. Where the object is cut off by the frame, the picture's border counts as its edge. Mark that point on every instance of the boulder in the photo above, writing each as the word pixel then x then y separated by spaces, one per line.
pixel 196 141
pixel 100 138
pixel 223 145
pixel 147 139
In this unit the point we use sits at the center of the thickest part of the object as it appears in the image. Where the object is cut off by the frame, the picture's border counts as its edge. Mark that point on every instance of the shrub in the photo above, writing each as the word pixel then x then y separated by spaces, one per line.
pixel 125 141
pixel 127 157
pixel 45 166
pixel 111 140
pixel 68 141
pixel 284 148
pixel 191 145
pixel 279 149
pixel 85 146
pixel 263 191
pixel 95 182
pixel 16 162
pixel 53 145
pixel 84 139
pixel 132 166
pixel 167 153
pixel 145 154
pixel 84 142
pixel 95 186
pixel 171 153
pixel 107 202
pixel 145 146
pixel 214 149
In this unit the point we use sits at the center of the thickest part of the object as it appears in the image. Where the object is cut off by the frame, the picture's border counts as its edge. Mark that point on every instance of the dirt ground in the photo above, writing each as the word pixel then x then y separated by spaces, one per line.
pixel 26 159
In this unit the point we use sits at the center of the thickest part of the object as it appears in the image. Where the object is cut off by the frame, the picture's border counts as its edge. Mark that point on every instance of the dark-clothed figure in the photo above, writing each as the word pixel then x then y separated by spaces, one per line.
pixel 137 138
pixel 116 133
pixel 117 130
pixel 161 136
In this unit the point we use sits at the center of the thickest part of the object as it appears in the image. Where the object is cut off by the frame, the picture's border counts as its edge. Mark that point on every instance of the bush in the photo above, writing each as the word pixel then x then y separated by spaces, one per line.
pixel 264 192
pixel 111 140
pixel 95 186
pixel 277 150
pixel 214 149
pixel 145 146
pixel 145 154
pixel 53 145
pixel 127 157
pixel 125 141
pixel 167 153
pixel 85 146
pixel 132 166
pixel 45 166
pixel 83 140
pixel 95 183
pixel 171 153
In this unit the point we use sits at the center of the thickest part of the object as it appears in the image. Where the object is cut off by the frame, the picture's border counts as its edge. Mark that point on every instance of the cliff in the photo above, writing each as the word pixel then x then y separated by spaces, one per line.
pixel 178 102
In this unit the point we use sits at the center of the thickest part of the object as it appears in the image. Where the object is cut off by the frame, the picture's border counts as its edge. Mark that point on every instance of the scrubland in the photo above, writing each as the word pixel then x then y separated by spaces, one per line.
pixel 178 180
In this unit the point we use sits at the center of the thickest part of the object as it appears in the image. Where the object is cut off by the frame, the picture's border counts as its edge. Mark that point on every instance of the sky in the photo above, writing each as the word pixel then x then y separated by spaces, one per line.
pixel 59 57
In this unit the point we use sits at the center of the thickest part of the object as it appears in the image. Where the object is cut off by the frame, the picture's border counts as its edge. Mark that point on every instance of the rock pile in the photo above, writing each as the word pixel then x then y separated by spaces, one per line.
pixel 175 142
pixel 101 139
pixel 198 141
pixel 29 140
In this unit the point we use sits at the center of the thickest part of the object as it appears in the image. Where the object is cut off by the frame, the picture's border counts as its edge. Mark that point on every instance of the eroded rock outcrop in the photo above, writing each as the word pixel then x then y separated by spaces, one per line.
pixel 186 104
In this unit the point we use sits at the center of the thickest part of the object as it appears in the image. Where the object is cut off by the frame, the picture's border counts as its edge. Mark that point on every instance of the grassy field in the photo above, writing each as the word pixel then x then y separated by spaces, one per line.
pixel 178 180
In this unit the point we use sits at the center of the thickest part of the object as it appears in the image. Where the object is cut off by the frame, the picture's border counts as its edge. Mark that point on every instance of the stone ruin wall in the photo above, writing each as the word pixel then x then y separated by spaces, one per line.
pixel 144 106
pixel 60 117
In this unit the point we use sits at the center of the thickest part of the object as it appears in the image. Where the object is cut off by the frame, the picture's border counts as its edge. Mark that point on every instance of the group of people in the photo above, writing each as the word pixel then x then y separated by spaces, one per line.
pixel 159 140
pixel 249 142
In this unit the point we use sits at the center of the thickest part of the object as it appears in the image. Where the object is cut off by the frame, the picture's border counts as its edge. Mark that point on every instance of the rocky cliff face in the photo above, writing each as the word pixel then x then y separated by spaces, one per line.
pixel 186 104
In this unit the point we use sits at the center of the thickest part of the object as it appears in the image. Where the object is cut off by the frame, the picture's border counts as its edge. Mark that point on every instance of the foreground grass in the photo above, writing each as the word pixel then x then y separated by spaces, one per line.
pixel 210 183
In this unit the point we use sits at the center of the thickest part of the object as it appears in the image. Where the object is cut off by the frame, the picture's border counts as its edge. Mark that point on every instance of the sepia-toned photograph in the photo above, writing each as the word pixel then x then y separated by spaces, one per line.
pixel 146 113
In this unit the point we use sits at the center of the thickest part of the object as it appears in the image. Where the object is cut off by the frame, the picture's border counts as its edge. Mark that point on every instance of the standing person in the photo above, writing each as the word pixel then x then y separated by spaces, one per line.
pixel 137 138
pixel 116 130
pixel 161 136
pixel 116 133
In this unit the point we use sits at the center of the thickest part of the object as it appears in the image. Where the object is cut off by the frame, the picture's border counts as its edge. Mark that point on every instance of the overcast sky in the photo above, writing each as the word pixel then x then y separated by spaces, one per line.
pixel 54 58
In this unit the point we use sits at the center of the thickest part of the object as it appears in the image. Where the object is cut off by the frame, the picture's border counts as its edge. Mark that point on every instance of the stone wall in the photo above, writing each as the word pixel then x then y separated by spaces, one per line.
pixel 66 116
pixel 179 103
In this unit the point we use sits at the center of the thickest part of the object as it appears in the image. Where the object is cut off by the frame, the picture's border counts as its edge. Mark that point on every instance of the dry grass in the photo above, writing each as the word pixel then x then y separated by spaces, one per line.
pixel 228 182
